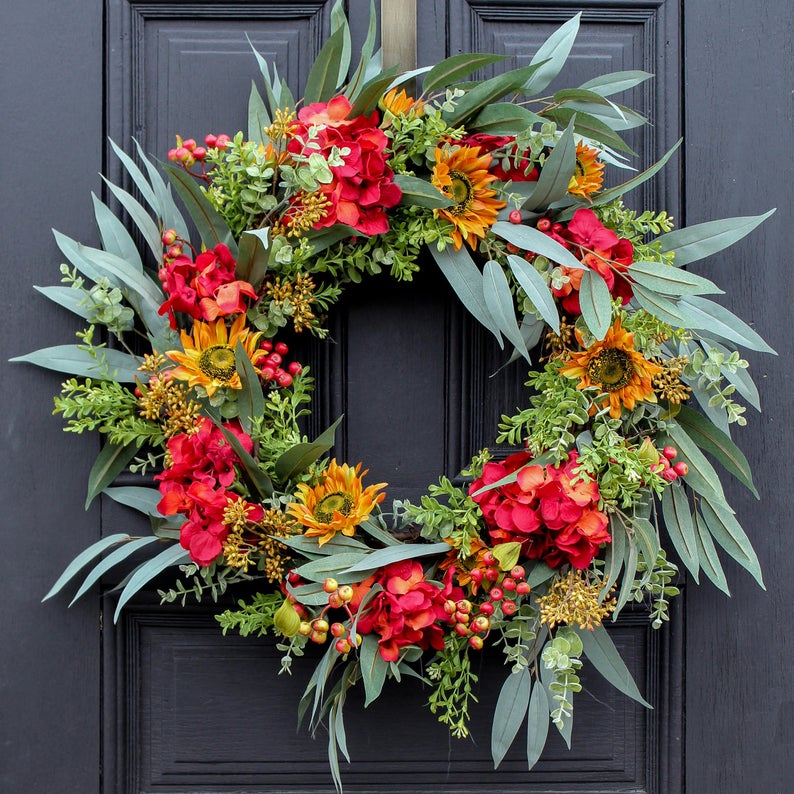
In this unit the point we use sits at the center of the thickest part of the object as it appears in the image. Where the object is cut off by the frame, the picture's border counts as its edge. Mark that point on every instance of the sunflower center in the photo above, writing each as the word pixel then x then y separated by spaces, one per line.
pixel 217 362
pixel 612 368
pixel 461 191
pixel 338 502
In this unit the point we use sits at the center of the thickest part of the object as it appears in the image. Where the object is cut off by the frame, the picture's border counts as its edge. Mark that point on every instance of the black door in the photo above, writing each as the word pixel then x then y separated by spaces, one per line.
pixel 161 702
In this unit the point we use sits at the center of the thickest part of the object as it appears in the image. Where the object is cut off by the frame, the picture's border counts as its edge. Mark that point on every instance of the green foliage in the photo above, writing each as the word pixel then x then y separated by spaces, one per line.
pixel 251 619
pixel 453 680
pixel 558 407
pixel 108 407
pixel 102 304
pixel 653 582
pixel 200 581
pixel 561 657
pixel 448 512
pixel 519 637
pixel 636 227
pixel 707 370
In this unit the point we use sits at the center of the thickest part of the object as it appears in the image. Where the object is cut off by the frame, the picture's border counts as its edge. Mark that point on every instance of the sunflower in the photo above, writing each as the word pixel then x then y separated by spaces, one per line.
pixel 589 174
pixel 399 104
pixel 208 357
pixel 462 175
pixel 616 367
pixel 337 504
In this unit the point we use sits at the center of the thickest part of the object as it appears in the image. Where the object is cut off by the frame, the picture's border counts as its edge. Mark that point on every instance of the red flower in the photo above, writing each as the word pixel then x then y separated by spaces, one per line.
pixel 553 516
pixel 409 610
pixel 202 467
pixel 205 289
pixel 601 250
pixel 363 186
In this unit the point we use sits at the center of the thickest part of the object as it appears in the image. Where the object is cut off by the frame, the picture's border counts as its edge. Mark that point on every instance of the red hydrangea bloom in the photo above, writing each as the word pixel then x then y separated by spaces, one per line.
pixel 552 516
pixel 601 250
pixel 489 143
pixel 202 467
pixel 205 289
pixel 408 611
pixel 363 186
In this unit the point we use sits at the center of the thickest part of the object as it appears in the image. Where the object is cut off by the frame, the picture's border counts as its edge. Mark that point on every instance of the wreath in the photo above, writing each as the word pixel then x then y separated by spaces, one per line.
pixel 193 387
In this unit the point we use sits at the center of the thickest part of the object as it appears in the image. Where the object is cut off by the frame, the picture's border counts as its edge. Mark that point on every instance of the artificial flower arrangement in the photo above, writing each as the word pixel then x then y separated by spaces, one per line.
pixel 504 187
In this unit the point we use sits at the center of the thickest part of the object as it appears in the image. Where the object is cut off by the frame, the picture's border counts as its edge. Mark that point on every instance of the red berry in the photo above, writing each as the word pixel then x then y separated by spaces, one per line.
pixel 169 237
pixel 268 373
pixel 557 227
pixel 199 153
pixel 515 216
pixel 338 630
pixel 518 573
pixel 172 155
pixel 496 594
pixel 183 154
pixel 480 623
pixel 266 345
pixel 211 140
pixel 274 359
pixel 476 575
pixel 509 584
pixel 512 249
pixel 669 452
pixel 488 558
pixel 295 368
pixel 462 629
pixel 670 475
pixel 509 608
pixel 486 608
pixel 544 224
pixel 335 600
pixel 189 144
pixel 450 608
pixel 491 574
pixel 681 469
pixel 522 588
pixel 476 642
pixel 223 141
pixel 174 251
pixel 284 380
pixel 462 617
pixel 281 349
pixel 343 646
pixel 463 606
pixel 330 585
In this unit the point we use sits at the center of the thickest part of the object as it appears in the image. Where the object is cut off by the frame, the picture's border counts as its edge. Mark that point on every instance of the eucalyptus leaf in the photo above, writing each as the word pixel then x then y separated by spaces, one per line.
pixel 138 497
pixel 530 239
pixel 82 559
pixel 380 534
pixel 665 309
pixel 596 303
pixel 701 476
pixel 709 316
pixel 537 724
pixel 115 237
pixel 499 301
pixel 604 656
pixel 680 527
pixel 511 708
pixel 539 573
pixel 68 298
pixel 418 192
pixel 590 127
pixel 536 289
pixel 212 227
pixel 709 559
pixel 615 82
pixel 452 70
pixel 113 559
pixel 556 174
pixel 367 98
pixel 669 280
pixel 141 182
pixel 373 668
pixel 703 239
pixel 404 551
pixel 144 573
pixel 258 117
pixel 646 539
pixel 299 457
pixel 75 360
pixel 324 75
pixel 339 22
pixel 253 256
pixel 141 218
pixel 552 55
pixel 250 399
pixel 111 461
pixel 505 118
pixel 358 79
pixel 466 279
pixel 712 440
pixel 614 555
pixel 728 533
pixel 338 566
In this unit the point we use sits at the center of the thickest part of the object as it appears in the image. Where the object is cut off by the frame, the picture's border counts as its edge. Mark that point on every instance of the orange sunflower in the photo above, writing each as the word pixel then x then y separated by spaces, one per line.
pixel 398 104
pixel 208 356
pixel 589 174
pixel 462 174
pixel 337 504
pixel 616 367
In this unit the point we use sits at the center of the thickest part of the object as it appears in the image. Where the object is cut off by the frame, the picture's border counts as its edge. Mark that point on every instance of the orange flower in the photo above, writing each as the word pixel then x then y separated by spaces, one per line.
pixel 462 174
pixel 616 367
pixel 395 103
pixel 589 174
pixel 208 356
pixel 337 504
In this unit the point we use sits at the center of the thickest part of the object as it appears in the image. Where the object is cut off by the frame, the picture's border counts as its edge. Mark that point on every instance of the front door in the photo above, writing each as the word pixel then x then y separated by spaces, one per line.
pixel 161 702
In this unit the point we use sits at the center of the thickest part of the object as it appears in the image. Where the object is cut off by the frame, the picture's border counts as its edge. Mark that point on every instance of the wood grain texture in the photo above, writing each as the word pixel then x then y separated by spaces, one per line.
pixel 740 680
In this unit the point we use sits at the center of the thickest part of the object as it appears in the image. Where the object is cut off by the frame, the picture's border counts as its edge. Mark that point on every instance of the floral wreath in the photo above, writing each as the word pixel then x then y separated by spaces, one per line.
pixel 503 185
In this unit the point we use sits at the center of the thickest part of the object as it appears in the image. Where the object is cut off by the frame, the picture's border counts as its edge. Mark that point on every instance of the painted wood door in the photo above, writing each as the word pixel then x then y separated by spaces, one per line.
pixel 160 702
